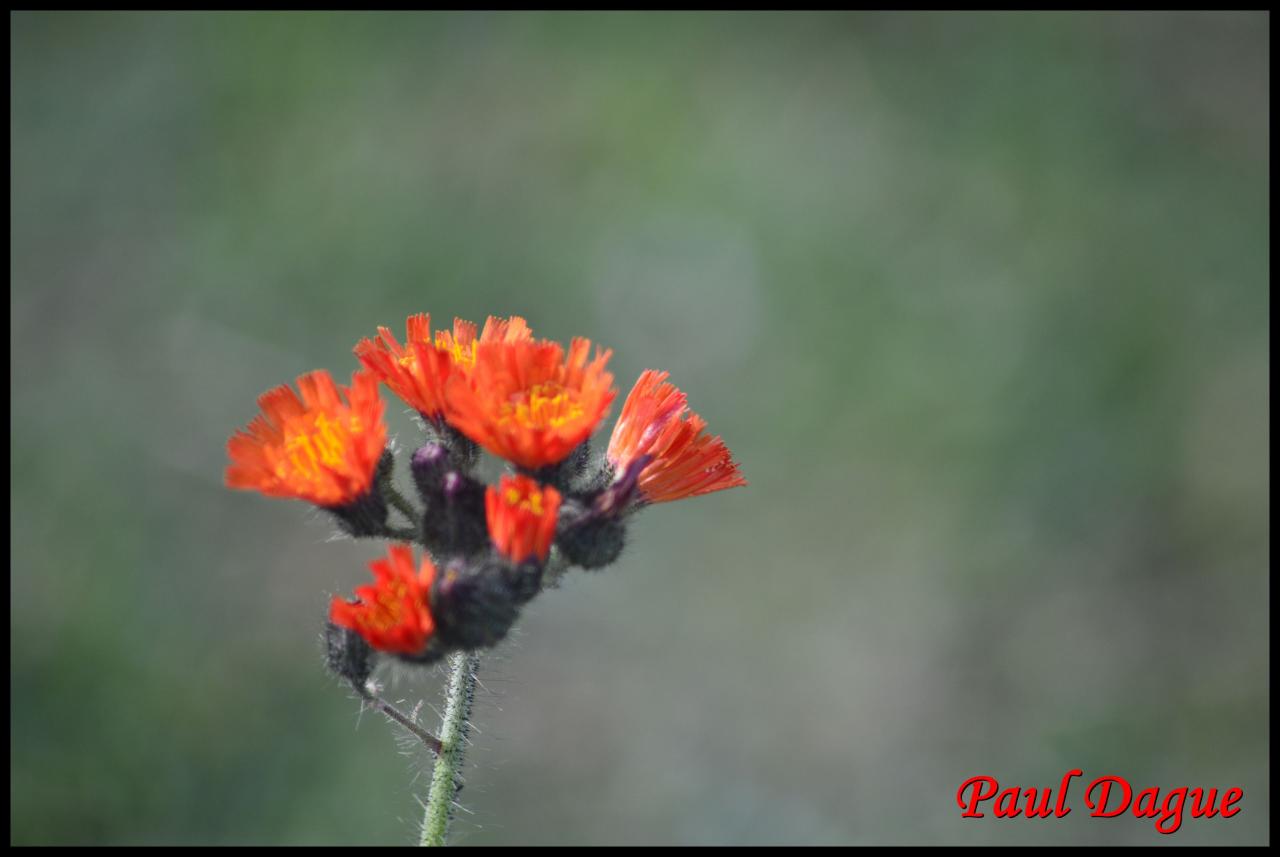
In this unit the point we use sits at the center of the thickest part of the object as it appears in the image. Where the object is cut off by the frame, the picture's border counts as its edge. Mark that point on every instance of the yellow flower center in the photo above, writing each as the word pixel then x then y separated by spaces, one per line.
pixel 463 355
pixel 309 451
pixel 388 608
pixel 542 406
pixel 528 502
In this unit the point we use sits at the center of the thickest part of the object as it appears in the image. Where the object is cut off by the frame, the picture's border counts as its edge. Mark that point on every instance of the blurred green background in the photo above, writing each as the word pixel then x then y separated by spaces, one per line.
pixel 980 302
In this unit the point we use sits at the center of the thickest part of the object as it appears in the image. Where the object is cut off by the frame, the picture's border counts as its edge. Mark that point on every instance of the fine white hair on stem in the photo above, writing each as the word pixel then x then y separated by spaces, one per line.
pixel 454 726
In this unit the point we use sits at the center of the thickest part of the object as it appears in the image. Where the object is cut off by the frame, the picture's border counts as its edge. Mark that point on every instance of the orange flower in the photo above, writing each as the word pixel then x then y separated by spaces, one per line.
pixel 393 614
pixel 685 461
pixel 529 402
pixel 319 448
pixel 522 517
pixel 418 371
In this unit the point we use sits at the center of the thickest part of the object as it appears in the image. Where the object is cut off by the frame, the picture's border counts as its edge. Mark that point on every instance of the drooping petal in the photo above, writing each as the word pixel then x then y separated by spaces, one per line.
pixel 685 461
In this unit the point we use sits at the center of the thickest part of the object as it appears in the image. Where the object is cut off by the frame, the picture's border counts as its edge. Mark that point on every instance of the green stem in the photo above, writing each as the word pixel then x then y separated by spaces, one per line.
pixel 404 534
pixel 404 506
pixel 454 727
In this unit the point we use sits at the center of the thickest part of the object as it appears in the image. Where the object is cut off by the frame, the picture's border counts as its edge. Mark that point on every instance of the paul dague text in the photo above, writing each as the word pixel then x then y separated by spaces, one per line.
pixel 1105 797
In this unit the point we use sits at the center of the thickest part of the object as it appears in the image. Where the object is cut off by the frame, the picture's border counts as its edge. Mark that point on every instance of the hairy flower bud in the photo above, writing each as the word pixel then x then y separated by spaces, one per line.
pixel 591 530
pixel 524 580
pixel 430 463
pixel 473 606
pixel 588 538
pixel 454 522
pixel 347 655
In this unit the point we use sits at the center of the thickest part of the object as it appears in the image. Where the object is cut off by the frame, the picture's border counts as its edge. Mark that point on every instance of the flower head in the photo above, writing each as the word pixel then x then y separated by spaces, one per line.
pixel 323 447
pixel 530 402
pixel 685 461
pixel 394 613
pixel 522 518
pixel 418 371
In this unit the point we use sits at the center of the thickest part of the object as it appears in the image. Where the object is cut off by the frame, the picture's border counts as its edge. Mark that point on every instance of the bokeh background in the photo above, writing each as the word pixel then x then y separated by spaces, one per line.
pixel 980 302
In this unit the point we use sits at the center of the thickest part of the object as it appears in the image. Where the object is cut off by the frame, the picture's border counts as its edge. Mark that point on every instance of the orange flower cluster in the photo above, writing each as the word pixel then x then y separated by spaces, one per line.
pixel 526 400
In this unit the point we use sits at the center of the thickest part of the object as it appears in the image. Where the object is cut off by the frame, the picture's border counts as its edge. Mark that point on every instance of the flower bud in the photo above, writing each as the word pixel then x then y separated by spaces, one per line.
pixel 588 538
pixel 523 579
pixel 429 465
pixel 347 655
pixel 591 531
pixel 454 521
pixel 473 606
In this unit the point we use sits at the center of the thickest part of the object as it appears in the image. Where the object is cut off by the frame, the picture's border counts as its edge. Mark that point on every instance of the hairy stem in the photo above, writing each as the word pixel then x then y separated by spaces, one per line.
pixel 404 506
pixel 390 711
pixel 453 744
